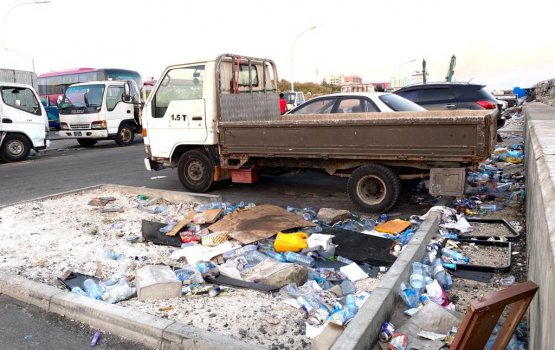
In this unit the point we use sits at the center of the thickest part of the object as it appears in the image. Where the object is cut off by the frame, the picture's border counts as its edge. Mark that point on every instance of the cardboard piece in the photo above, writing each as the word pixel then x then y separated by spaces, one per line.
pixel 211 215
pixel 327 338
pixel 196 253
pixel 188 218
pixel 263 221
pixel 393 226
pixel 101 201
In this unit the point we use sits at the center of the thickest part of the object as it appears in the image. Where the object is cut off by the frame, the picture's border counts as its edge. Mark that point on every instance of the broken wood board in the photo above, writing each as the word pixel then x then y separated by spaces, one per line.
pixel 263 221
pixel 210 215
pixel 188 218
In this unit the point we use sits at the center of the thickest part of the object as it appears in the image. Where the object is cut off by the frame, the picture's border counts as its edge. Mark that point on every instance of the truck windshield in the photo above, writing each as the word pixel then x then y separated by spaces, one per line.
pixel 289 97
pixel 83 96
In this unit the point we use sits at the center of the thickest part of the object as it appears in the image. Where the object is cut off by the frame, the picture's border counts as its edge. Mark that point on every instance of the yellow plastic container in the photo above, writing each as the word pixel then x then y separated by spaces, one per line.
pixel 290 242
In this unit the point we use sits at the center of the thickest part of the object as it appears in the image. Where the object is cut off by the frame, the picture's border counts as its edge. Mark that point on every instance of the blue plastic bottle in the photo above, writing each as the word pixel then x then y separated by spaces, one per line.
pixel 299 259
pixel 93 289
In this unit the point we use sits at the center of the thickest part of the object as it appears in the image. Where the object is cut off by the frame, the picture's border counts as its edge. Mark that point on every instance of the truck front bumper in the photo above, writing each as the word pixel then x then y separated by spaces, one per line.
pixel 86 134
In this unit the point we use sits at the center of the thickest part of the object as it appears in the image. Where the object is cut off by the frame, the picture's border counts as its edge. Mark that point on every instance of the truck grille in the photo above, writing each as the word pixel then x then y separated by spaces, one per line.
pixel 80 126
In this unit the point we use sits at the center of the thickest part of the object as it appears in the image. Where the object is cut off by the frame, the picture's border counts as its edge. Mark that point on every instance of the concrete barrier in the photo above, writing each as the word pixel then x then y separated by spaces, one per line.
pixel 540 221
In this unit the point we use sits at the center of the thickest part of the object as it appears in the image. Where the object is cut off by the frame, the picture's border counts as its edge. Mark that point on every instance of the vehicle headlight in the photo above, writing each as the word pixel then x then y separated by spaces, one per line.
pixel 101 124
pixel 64 126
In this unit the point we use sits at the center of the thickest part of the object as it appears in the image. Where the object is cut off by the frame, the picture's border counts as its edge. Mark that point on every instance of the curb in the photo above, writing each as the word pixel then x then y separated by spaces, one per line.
pixel 134 325
pixel 175 196
pixel 363 330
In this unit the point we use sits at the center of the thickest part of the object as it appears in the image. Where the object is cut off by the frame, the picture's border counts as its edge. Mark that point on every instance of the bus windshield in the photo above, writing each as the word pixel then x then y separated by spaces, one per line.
pixel 83 96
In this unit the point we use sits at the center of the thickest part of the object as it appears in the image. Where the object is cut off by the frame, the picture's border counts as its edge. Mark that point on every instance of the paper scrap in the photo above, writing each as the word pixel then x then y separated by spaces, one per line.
pixel 354 272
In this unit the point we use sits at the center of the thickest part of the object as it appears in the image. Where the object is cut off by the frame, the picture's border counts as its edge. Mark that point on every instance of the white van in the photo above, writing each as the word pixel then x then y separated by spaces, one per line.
pixel 23 122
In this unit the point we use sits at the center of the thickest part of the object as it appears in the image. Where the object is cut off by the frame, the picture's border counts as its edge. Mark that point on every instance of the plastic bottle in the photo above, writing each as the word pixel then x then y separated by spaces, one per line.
pixel 351 304
pixel 239 251
pixel 299 259
pixel 344 260
pixel 417 279
pixel 93 289
pixel 109 253
pixel 409 295
pixel 456 256
pixel 120 292
pixel 274 255
pixel 443 278
pixel 254 257
pixel 490 207
pixel 78 290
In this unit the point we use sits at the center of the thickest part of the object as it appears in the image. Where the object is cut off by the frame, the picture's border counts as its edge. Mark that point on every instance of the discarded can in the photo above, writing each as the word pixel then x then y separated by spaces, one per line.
pixel 95 338
pixel 386 332
pixel 215 291
pixel 383 218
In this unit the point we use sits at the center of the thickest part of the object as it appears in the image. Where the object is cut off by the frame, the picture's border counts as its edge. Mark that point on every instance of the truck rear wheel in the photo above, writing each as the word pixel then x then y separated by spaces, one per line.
pixel 87 142
pixel 374 188
pixel 195 171
pixel 126 135
pixel 15 148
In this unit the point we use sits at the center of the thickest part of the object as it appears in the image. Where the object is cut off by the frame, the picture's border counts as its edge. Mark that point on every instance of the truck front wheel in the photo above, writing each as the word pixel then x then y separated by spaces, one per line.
pixel 126 135
pixel 374 188
pixel 196 172
pixel 15 148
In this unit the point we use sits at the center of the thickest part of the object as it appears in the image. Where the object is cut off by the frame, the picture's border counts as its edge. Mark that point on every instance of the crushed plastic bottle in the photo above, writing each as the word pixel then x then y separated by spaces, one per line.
pixel 443 278
pixel 274 255
pixel 455 256
pixel 417 278
pixel 409 295
pixel 109 253
pixel 120 292
pixel 254 257
pixel 239 251
pixel 78 290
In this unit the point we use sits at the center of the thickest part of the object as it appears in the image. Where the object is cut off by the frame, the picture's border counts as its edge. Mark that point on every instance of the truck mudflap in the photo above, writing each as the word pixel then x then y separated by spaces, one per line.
pixel 447 181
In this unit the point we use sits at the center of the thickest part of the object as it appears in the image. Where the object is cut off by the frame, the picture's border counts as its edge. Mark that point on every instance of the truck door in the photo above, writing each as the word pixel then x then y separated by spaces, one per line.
pixel 178 110
pixel 22 112
pixel 116 109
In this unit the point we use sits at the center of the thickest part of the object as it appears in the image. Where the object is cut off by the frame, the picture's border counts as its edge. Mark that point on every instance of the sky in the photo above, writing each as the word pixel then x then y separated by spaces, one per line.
pixel 501 44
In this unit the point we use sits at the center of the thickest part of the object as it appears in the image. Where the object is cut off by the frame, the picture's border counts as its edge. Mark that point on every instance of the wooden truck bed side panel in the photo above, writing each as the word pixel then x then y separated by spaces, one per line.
pixel 459 136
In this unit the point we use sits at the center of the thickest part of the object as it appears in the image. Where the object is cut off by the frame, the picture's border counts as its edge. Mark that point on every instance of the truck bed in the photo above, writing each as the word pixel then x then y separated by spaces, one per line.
pixel 432 136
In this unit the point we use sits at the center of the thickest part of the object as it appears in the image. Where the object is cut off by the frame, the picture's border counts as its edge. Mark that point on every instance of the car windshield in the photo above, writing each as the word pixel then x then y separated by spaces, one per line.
pixel 83 96
pixel 400 104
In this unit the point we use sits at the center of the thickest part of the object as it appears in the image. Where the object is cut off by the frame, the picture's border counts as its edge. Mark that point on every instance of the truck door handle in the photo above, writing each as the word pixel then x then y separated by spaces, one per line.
pixel 6 121
pixel 450 105
pixel 197 118
pixel 128 111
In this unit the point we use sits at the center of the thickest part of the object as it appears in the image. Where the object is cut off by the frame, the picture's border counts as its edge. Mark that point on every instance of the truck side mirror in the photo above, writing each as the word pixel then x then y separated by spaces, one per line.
pixel 126 97
pixel 59 101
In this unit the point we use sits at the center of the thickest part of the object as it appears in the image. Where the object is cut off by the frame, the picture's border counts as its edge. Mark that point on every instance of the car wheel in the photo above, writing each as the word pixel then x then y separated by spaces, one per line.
pixel 15 148
pixel 87 142
pixel 126 135
pixel 374 188
pixel 195 171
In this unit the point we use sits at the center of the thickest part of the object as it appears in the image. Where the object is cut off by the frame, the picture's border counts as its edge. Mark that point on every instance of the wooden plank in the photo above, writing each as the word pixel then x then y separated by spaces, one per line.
pixel 484 313
pixel 211 215
pixel 188 218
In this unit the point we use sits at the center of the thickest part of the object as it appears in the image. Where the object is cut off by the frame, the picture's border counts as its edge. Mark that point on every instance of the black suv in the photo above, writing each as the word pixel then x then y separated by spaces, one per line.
pixel 448 96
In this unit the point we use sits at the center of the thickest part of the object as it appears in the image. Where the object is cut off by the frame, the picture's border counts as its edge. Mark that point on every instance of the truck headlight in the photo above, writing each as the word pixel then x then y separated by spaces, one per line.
pixel 64 126
pixel 101 124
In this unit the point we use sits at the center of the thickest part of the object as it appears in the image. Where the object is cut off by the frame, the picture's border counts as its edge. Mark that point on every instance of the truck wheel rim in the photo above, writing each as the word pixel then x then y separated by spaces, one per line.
pixel 371 190
pixel 15 148
pixel 125 134
pixel 195 171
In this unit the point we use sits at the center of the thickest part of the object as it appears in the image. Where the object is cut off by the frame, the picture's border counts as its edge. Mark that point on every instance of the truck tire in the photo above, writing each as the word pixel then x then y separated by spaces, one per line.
pixel 195 171
pixel 374 188
pixel 126 135
pixel 87 142
pixel 15 148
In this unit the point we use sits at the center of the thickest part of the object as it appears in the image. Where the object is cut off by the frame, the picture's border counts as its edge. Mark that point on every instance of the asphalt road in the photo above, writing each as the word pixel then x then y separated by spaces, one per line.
pixel 66 166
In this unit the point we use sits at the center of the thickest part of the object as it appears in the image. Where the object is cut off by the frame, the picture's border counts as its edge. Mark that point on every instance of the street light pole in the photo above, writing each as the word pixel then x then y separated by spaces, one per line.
pixel 292 49
pixel 401 66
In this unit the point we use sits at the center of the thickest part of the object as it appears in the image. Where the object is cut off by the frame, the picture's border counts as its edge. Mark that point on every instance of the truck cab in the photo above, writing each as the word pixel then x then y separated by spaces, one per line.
pixel 293 99
pixel 23 122
pixel 100 110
